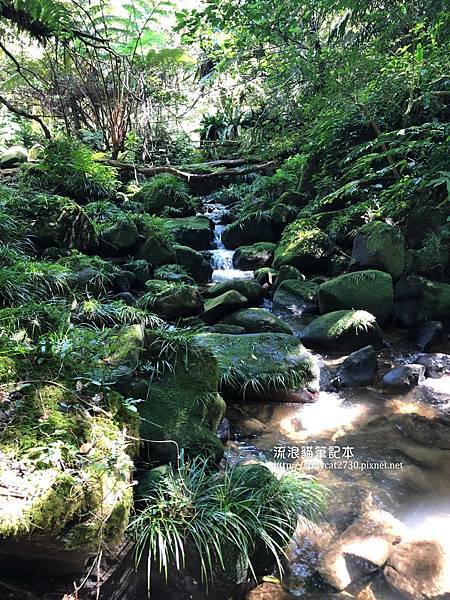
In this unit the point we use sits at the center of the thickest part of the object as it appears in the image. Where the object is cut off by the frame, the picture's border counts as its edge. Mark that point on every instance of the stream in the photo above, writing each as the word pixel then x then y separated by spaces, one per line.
pixel 381 460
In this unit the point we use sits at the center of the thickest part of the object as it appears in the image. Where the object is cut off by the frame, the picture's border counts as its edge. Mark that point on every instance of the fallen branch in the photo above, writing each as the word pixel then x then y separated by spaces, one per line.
pixel 151 171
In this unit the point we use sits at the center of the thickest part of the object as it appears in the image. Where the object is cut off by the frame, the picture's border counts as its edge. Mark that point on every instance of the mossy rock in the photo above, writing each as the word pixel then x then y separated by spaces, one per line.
pixel 57 452
pixel 250 289
pixel 174 273
pixel 156 250
pixel 282 214
pixel 248 231
pixel 13 157
pixel 122 234
pixel 184 409
pixel 257 320
pixel 303 246
pixel 418 299
pixel 167 196
pixel 287 272
pixel 219 306
pixel 366 290
pixel 294 295
pixel 249 258
pixel 343 331
pixel 195 232
pixel 123 353
pixel 378 245
pixel 170 300
pixel 265 275
pixel 258 365
pixel 194 262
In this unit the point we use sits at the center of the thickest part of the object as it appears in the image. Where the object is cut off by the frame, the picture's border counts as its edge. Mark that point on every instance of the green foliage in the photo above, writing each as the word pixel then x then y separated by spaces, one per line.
pixel 166 196
pixel 185 508
pixel 71 169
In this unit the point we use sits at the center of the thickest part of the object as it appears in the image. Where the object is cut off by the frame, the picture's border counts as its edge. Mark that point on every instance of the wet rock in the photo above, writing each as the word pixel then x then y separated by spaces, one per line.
pixel 360 368
pixel 429 335
pixel 121 234
pixel 250 289
pixel 435 364
pixel 156 251
pixel 171 300
pixel 248 231
pixel 381 246
pixel 364 290
pixel 420 569
pixel 194 262
pixel 294 295
pixel 434 391
pixel 371 538
pixel 269 591
pixel 223 328
pixel 428 432
pixel 252 427
pixel 287 272
pixel 257 320
pixel 249 258
pixel 224 430
pixel 195 232
pixel 216 308
pixel 418 300
pixel 404 377
pixel 342 331
pixel 265 275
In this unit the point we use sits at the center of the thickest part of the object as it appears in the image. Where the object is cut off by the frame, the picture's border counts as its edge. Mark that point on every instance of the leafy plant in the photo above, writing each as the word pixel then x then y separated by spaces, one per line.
pixel 167 196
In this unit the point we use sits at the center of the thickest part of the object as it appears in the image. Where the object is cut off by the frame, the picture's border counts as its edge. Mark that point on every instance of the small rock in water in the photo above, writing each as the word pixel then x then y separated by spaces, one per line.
pixel 359 368
pixel 404 376
pixel 430 334
pixel 224 431
pixel 436 364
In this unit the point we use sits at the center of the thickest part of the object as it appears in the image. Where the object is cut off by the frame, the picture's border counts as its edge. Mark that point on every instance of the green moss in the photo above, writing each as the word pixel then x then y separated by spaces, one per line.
pixel 8 370
pixel 256 365
pixel 250 289
pixel 254 256
pixel 366 290
pixel 257 320
pixel 303 246
pixel 342 331
pixel 195 232
pixel 294 295
pixel 380 245
pixel 171 300
pixel 265 275
pixel 184 406
pixel 168 196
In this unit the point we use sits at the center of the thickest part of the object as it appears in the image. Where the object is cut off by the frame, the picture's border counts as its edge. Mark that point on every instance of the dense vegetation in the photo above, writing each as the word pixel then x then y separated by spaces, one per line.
pixel 323 128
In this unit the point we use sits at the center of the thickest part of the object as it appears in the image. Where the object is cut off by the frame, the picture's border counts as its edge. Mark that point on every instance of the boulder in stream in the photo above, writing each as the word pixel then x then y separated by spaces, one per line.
pixel 248 231
pixel 216 308
pixel 304 247
pixel 194 262
pixel 369 290
pixel 195 232
pixel 418 300
pixel 436 364
pixel 171 300
pixel 359 368
pixel 262 365
pixel 343 331
pixel 249 258
pixel 252 290
pixel 381 246
pixel 294 295
pixel 257 320
pixel 404 377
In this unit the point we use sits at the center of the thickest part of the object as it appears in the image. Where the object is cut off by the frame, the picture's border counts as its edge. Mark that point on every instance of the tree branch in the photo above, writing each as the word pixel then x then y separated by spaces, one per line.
pixel 27 115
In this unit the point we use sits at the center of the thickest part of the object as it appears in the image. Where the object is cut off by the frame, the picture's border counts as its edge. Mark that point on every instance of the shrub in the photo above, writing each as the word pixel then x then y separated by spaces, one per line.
pixel 166 195
pixel 70 168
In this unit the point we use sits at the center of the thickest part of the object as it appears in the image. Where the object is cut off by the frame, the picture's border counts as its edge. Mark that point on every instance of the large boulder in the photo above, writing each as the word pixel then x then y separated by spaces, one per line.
pixel 420 568
pixel 304 247
pixel 366 290
pixel 287 272
pixel 248 231
pixel 123 234
pixel 195 232
pixel 194 262
pixel 13 157
pixel 343 331
pixel 257 320
pixel 370 538
pixel 418 300
pixel 261 365
pixel 250 258
pixel 171 300
pixel 265 275
pixel 183 408
pixel 380 246
pixel 252 290
pixel 294 295
pixel 216 308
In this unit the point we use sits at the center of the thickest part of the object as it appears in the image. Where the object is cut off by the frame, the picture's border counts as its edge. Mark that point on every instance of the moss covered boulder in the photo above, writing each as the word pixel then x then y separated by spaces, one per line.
pixel 250 289
pixel 261 365
pixel 294 295
pixel 287 272
pixel 257 320
pixel 343 331
pixel 418 299
pixel 248 231
pixel 303 246
pixel 249 258
pixel 55 458
pixel 171 300
pixel 122 234
pixel 194 262
pixel 367 290
pixel 378 245
pixel 183 408
pixel 195 232
pixel 265 275
pixel 13 157
pixel 219 306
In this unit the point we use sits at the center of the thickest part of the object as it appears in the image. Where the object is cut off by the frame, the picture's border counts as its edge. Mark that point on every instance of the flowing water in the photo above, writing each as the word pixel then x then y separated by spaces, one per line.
pixel 385 459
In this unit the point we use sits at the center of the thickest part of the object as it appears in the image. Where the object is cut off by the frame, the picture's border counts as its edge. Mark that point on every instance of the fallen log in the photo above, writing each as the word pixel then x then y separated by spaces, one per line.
pixel 187 176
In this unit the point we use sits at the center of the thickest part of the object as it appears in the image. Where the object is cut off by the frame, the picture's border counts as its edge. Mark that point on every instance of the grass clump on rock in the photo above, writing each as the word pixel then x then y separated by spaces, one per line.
pixel 303 246
pixel 167 196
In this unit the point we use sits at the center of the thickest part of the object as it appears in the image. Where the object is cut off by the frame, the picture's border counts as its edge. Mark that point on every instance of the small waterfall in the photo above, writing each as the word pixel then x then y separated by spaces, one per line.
pixel 221 257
